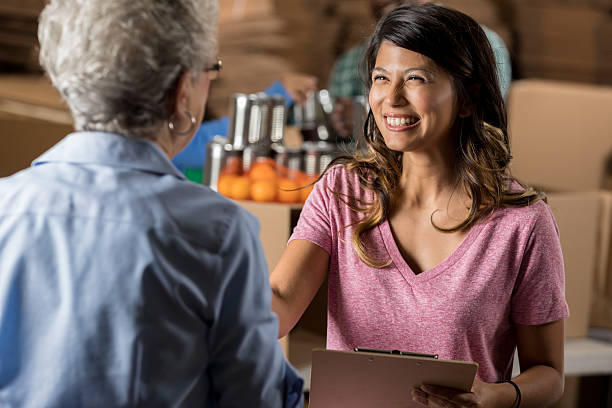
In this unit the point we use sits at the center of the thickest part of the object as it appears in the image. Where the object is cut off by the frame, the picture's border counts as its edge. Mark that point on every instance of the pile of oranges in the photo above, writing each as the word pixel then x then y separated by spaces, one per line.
pixel 266 181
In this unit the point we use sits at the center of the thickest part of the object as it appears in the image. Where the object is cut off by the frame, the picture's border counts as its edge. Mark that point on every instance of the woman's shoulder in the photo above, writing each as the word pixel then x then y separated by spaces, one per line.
pixel 344 180
pixel 526 215
pixel 343 174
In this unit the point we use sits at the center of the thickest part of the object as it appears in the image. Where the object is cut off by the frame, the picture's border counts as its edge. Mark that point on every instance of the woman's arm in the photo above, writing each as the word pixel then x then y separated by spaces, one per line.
pixel 295 281
pixel 541 355
pixel 541 381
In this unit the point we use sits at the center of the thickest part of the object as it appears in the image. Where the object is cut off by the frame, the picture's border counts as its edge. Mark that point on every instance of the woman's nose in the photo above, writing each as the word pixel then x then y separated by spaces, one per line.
pixel 395 94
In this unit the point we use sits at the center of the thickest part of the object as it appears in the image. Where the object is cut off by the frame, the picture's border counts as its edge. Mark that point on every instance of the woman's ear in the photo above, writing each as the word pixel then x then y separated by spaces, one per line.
pixel 182 92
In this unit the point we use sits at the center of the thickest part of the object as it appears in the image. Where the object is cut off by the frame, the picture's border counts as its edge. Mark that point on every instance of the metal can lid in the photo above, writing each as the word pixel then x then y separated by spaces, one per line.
pixel 318 147
pixel 282 149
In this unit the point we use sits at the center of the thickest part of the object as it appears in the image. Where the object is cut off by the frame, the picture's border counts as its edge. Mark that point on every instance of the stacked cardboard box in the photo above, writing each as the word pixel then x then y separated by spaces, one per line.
pixel 260 40
pixel 560 137
pixel 33 118
pixel 322 30
pixel 564 39
pixel 251 44
pixel 18 40
pixel 486 12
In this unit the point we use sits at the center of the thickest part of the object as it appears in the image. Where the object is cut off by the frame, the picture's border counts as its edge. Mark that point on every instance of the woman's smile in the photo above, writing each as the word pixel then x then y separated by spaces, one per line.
pixel 397 122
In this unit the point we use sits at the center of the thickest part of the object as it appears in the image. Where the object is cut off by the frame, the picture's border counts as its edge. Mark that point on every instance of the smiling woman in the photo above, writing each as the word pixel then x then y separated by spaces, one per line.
pixel 423 229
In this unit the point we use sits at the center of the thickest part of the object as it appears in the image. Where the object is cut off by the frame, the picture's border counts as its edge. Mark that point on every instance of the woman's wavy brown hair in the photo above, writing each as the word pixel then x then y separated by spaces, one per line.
pixel 457 44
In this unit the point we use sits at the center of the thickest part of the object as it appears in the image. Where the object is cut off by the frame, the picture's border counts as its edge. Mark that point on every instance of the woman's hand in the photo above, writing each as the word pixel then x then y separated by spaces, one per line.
pixel 483 395
pixel 342 117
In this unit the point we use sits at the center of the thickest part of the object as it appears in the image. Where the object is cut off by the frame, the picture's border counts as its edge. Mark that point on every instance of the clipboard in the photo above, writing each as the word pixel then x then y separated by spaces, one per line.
pixel 380 379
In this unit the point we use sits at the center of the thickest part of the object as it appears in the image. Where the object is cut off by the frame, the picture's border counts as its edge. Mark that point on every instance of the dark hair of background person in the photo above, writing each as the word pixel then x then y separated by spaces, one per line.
pixel 457 44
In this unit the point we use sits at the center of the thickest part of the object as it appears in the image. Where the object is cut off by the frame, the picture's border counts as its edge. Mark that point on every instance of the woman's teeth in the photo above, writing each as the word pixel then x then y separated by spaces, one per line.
pixel 400 121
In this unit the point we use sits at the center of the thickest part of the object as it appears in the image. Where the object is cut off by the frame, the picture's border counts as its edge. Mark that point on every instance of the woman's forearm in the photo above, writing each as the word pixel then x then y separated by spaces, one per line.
pixel 282 309
pixel 540 386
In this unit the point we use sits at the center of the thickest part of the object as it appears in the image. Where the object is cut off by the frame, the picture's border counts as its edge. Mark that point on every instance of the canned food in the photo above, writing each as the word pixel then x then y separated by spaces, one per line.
pixel 239 112
pixel 217 152
pixel 279 117
pixel 317 156
pixel 286 157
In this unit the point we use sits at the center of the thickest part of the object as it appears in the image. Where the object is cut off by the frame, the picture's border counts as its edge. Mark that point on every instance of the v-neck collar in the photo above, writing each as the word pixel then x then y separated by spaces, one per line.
pixel 406 271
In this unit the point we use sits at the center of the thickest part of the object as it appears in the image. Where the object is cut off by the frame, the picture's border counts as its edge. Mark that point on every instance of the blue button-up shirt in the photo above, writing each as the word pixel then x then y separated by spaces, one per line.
pixel 123 284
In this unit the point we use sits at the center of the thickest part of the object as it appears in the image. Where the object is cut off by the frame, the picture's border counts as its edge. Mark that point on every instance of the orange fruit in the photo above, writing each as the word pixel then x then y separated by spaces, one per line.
pixel 264 190
pixel 224 185
pixel 296 175
pixel 233 166
pixel 240 188
pixel 304 193
pixel 306 188
pixel 282 171
pixel 262 170
pixel 287 192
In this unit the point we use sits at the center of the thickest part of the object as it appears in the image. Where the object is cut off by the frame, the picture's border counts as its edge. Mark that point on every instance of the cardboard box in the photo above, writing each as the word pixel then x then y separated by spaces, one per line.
pixel 601 311
pixel 560 133
pixel 570 30
pixel 27 8
pixel 238 10
pixel 24 139
pixel 578 219
pixel 565 40
pixel 555 68
pixel 560 139
pixel 33 118
pixel 276 222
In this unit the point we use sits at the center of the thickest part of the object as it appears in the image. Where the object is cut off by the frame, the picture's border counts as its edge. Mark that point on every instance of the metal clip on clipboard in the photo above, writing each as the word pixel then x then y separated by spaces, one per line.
pixel 397 352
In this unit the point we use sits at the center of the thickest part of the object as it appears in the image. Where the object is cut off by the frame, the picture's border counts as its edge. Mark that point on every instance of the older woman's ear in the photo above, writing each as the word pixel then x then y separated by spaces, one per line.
pixel 182 93
pixel 188 104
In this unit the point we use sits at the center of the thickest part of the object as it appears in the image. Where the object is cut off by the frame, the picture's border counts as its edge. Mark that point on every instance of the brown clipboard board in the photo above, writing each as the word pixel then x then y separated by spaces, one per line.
pixel 375 380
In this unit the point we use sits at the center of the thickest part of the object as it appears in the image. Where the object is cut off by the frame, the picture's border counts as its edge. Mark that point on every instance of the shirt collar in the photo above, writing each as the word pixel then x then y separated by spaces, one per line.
pixel 110 149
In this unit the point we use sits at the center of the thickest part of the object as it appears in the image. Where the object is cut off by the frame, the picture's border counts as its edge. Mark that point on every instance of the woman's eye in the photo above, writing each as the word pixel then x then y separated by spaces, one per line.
pixel 415 78
pixel 379 78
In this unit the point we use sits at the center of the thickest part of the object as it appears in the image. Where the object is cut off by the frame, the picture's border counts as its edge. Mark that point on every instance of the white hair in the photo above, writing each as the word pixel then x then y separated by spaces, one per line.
pixel 117 62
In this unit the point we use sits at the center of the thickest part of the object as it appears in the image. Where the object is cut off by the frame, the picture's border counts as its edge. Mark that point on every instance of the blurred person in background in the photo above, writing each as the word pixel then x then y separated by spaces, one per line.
pixel 427 242
pixel 121 283
pixel 346 82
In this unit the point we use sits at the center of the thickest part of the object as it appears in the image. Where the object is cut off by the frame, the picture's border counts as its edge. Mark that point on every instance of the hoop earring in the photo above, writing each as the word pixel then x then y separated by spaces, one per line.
pixel 172 127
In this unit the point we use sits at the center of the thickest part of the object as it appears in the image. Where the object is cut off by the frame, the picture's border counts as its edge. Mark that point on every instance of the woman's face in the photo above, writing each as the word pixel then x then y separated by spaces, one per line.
pixel 413 100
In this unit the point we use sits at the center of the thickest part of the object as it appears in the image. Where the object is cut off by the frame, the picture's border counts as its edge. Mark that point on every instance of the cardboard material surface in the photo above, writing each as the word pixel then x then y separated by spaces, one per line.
pixel 33 117
pixel 560 133
pixel 601 313
pixel 276 221
pixel 577 216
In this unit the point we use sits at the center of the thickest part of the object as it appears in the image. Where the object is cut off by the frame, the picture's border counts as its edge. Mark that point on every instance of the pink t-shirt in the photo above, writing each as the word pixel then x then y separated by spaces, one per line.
pixel 508 269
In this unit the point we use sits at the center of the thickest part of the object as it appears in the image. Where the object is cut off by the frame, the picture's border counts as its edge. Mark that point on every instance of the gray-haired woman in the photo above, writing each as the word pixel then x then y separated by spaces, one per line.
pixel 121 283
